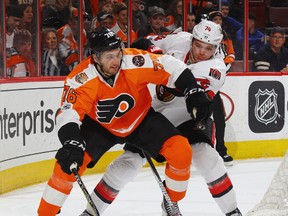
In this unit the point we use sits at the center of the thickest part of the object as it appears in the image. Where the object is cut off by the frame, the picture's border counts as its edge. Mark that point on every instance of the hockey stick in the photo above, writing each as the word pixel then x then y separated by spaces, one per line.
pixel 73 169
pixel 160 183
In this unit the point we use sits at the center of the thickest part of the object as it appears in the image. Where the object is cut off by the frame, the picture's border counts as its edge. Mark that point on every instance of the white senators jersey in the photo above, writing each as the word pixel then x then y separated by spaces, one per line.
pixel 177 45
pixel 210 75
pixel 119 105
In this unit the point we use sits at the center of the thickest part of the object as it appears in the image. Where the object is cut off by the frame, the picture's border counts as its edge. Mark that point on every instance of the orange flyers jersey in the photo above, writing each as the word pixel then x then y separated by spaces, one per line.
pixel 121 106
pixel 19 66
pixel 116 28
pixel 65 35
pixel 229 52
pixel 169 23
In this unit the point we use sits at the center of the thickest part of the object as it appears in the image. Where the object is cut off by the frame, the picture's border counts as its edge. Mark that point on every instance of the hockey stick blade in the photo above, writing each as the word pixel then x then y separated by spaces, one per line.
pixel 73 169
pixel 160 183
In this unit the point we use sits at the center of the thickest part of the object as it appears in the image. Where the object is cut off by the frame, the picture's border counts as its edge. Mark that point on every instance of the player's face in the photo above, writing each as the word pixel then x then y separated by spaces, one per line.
pixel 111 61
pixel 201 51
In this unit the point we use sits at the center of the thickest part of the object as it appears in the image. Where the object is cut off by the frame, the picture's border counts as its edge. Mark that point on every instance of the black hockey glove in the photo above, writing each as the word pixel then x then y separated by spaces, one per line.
pixel 198 104
pixel 146 44
pixel 72 151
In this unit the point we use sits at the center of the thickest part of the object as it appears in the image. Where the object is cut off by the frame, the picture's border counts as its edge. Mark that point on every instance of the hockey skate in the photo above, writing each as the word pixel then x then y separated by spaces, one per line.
pixel 167 211
pixel 228 160
pixel 236 212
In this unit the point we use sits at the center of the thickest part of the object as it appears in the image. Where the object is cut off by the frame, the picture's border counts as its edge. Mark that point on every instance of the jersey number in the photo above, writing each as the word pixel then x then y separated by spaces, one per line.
pixel 69 95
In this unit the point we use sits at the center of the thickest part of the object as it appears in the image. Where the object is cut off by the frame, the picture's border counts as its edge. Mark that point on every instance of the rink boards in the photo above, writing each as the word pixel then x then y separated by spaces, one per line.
pixel 256 126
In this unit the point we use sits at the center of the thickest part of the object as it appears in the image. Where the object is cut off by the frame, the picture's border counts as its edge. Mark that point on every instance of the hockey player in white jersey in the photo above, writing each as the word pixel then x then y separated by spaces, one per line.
pixel 200 52
pixel 206 63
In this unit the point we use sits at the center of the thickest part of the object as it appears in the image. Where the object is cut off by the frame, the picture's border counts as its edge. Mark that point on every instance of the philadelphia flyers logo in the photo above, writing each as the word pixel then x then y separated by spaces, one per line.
pixel 138 60
pixel 114 108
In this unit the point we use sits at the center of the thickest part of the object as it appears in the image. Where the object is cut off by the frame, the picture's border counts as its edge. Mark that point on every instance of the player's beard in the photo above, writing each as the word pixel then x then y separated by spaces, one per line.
pixel 109 71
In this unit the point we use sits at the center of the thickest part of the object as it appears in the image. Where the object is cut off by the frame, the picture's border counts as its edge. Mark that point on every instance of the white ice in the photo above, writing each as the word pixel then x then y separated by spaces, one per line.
pixel 143 196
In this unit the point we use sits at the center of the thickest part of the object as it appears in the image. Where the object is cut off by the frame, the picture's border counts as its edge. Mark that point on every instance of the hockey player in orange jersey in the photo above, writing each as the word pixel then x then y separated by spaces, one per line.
pixel 200 52
pixel 106 101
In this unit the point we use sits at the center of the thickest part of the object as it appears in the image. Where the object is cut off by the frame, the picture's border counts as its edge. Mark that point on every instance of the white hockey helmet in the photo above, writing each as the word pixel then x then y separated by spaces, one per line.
pixel 208 32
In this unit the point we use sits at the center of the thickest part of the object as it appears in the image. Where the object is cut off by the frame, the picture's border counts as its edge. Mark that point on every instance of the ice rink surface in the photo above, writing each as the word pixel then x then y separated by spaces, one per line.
pixel 143 196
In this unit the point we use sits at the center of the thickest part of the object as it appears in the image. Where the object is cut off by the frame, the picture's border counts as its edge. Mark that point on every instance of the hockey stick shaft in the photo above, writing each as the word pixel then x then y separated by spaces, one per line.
pixel 81 184
pixel 159 181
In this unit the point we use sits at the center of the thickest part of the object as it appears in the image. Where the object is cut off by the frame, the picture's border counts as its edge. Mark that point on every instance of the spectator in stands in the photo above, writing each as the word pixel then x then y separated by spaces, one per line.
pixel 103 19
pixel 87 20
pixel 139 19
pixel 120 28
pixel 174 15
pixel 42 4
pixel 230 25
pixel 52 63
pixel 56 15
pixel 156 23
pixel 204 7
pixel 273 56
pixel 26 22
pixel 68 37
pixel 106 5
pixel 255 37
pixel 13 20
pixel 191 21
pixel 20 62
pixel 226 44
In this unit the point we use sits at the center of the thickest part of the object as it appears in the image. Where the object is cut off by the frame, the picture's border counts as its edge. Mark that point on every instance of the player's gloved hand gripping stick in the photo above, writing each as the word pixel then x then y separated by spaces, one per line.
pixel 199 105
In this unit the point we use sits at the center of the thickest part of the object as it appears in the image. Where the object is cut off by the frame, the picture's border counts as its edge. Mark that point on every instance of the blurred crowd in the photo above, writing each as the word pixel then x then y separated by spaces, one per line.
pixel 61 41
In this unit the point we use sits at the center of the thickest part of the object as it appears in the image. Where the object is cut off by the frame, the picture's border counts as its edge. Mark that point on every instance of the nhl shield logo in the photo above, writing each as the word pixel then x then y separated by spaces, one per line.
pixel 266 109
